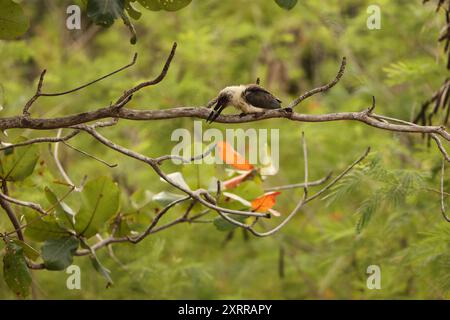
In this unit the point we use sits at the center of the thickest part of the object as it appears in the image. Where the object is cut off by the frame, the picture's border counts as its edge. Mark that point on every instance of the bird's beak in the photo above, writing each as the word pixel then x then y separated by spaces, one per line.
pixel 219 106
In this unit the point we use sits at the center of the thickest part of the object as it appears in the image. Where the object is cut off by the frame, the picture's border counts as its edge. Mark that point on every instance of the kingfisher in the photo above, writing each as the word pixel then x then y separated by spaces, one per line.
pixel 250 98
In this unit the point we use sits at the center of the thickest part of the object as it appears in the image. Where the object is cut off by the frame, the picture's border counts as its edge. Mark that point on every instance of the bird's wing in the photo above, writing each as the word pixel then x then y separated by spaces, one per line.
pixel 261 98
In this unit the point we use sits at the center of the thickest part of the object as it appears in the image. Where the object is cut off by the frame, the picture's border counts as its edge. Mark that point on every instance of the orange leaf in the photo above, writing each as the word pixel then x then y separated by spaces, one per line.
pixel 265 202
pixel 234 182
pixel 231 157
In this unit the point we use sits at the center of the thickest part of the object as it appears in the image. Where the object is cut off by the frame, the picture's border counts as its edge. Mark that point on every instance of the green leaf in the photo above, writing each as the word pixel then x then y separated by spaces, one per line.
pixel 42 228
pixel 152 5
pixel 367 209
pixel 100 202
pixel 29 251
pixel 174 5
pixel 177 177
pixel 164 198
pixel 286 4
pixel 58 253
pixel 65 216
pixel 101 269
pixel 18 163
pixel 104 12
pixel 199 175
pixel 122 227
pixel 249 190
pixel 132 11
pixel 15 270
pixel 223 225
pixel 13 22
pixel 168 5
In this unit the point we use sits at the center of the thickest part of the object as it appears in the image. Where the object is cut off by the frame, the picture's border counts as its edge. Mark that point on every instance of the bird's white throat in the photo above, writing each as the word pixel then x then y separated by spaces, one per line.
pixel 237 101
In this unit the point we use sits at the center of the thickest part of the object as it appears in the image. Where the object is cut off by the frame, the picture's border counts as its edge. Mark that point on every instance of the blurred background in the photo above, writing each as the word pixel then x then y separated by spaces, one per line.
pixel 322 253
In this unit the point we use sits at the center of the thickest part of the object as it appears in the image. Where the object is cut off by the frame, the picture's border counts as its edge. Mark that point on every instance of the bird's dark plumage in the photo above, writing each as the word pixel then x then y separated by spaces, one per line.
pixel 261 98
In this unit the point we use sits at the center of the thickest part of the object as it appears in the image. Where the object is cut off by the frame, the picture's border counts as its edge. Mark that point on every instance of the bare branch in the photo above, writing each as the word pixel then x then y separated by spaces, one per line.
pixel 111 165
pixel 440 146
pixel 151 229
pixel 432 135
pixel 9 212
pixel 157 80
pixel 300 204
pixel 202 113
pixel 161 159
pixel 39 93
pixel 22 203
pixel 42 140
pixel 153 226
pixel 323 88
pixel 153 163
pixel 133 61
pixel 34 206
pixel 300 185
pixel 305 157
pixel 156 220
pixel 339 177
pixel 442 193
pixel 117 111
pixel 59 165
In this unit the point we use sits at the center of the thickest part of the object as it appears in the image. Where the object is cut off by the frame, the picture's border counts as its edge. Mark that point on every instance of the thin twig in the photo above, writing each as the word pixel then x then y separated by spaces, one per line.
pixel 42 140
pixel 305 157
pixel 9 212
pixel 156 220
pixel 322 88
pixel 111 165
pixel 59 165
pixel 300 204
pixel 157 80
pixel 161 159
pixel 444 215
pixel 133 61
pixel 34 206
pixel 38 93
pixel 41 81
pixel 153 163
pixel 22 203
pixel 300 185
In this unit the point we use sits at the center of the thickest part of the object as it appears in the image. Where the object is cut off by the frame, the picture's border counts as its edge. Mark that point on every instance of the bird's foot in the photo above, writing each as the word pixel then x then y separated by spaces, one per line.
pixel 288 110
pixel 242 114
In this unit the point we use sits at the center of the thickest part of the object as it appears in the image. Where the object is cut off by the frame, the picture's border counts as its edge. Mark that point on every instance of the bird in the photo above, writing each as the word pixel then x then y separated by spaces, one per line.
pixel 250 98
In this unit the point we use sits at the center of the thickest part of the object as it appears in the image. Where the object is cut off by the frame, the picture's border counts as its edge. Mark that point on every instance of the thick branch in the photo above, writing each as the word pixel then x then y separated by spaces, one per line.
pixel 202 113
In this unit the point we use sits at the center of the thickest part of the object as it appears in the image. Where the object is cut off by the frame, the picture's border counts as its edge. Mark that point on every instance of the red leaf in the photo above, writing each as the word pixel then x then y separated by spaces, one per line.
pixel 231 157
pixel 265 202
pixel 234 182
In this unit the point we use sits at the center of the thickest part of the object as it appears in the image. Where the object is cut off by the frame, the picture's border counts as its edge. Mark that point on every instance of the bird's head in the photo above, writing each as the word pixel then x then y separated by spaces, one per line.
pixel 223 99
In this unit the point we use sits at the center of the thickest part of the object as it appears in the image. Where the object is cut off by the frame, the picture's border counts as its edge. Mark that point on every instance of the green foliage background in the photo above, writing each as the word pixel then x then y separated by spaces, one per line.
pixel 231 42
